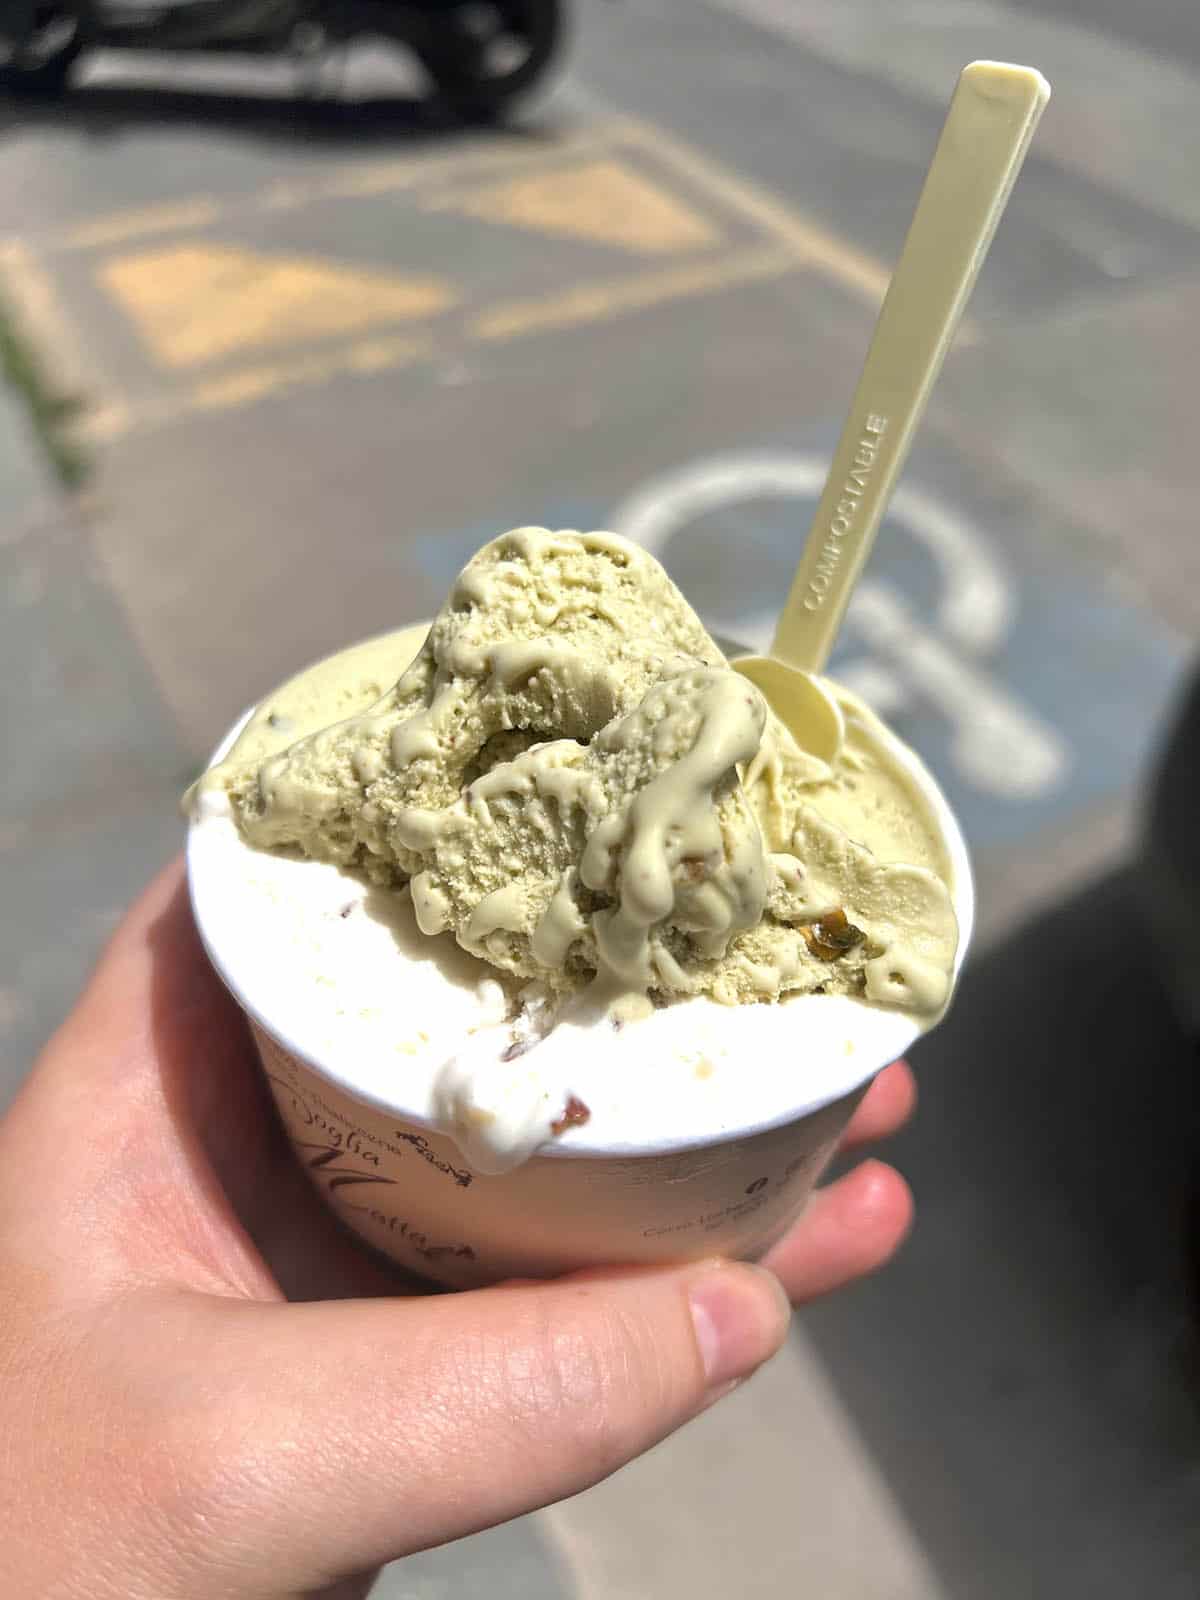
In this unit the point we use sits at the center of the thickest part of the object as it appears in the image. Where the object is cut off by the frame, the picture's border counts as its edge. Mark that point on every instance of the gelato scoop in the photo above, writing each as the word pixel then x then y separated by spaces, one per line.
pixel 572 781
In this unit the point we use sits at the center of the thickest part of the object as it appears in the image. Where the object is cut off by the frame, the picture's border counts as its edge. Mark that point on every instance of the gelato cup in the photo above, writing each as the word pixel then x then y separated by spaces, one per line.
pixel 687 1152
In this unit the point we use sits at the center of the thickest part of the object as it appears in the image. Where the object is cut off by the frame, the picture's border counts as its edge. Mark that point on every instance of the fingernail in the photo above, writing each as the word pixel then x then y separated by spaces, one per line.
pixel 741 1315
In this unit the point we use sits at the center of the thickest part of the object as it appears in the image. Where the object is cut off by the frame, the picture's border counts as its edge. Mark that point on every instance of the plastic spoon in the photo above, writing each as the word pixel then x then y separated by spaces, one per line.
pixel 991 120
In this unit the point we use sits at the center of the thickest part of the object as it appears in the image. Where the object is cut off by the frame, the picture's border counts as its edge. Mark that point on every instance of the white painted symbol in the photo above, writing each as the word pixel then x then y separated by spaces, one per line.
pixel 999 745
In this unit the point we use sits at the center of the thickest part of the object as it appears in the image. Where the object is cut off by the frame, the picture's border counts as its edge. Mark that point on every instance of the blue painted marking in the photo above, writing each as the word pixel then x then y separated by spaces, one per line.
pixel 1098 671
pixel 1094 668
pixel 1101 674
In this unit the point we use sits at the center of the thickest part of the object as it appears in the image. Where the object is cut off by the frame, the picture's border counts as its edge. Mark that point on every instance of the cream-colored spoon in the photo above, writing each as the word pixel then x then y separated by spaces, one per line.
pixel 987 131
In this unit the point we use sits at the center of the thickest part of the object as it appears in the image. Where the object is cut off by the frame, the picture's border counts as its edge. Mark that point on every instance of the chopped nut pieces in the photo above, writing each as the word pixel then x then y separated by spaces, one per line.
pixel 832 936
pixel 575 1114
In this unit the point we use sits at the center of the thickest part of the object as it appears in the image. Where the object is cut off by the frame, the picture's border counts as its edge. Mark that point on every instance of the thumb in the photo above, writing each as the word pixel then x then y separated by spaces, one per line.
pixel 376 1428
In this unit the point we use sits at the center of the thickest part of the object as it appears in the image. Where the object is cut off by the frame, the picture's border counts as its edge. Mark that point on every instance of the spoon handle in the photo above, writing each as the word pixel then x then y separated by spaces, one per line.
pixel 987 131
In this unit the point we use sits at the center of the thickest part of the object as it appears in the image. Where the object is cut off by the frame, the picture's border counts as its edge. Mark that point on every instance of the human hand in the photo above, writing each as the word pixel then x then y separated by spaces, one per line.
pixel 172 1427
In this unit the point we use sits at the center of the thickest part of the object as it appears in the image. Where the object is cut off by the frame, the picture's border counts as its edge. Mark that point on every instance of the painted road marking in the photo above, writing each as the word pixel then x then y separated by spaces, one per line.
pixel 815 246
pixel 249 385
pixel 1034 693
pixel 39 312
pixel 120 228
pixel 350 180
pixel 197 303
pixel 998 744
pixel 365 357
pixel 255 383
pixel 975 605
pixel 200 293
pixel 601 301
pixel 818 248
pixel 602 201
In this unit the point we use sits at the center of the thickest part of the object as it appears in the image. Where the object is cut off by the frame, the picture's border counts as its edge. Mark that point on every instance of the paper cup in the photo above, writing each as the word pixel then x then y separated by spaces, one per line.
pixel 666 1194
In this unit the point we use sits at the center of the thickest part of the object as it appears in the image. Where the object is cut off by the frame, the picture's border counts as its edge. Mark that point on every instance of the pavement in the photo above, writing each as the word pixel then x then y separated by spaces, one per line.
pixel 326 349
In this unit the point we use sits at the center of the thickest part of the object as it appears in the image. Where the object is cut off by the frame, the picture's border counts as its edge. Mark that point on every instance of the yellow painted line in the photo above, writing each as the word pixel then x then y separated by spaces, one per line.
pixel 598 302
pixel 364 357
pixel 250 385
pixel 368 355
pixel 347 181
pixel 823 249
pixel 601 201
pixel 383 177
pixel 845 264
pixel 121 226
pixel 364 179
pixel 105 423
pixel 381 355
pixel 34 302
pixel 813 245
pixel 197 303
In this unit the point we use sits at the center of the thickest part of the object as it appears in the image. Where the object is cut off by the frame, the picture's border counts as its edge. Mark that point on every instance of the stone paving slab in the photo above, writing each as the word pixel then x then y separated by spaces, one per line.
pixel 777 1496
pixel 517 1559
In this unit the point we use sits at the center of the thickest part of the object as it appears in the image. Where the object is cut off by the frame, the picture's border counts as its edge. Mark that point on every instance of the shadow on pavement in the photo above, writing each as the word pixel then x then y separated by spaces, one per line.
pixel 103 110
pixel 1027 1371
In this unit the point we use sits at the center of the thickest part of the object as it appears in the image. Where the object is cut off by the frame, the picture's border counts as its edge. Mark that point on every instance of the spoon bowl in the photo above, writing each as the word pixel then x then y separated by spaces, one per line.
pixel 800 700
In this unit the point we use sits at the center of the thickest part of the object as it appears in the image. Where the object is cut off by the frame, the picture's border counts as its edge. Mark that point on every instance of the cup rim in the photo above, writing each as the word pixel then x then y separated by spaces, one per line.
pixel 860 1069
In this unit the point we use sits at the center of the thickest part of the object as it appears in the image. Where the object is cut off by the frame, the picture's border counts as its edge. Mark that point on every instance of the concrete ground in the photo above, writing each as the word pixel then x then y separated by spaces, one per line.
pixel 328 350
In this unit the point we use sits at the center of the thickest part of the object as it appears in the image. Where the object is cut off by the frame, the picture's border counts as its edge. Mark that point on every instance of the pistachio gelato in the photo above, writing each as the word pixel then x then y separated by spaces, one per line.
pixel 571 780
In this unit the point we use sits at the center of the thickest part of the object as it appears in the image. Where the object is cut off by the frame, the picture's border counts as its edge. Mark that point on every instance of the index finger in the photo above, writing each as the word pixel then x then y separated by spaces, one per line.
pixel 884 1109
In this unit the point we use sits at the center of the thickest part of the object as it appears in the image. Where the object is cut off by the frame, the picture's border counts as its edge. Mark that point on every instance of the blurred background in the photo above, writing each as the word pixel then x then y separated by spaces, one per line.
pixel 288 334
